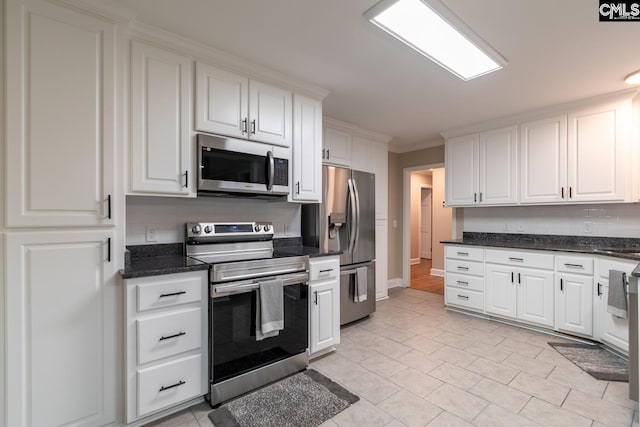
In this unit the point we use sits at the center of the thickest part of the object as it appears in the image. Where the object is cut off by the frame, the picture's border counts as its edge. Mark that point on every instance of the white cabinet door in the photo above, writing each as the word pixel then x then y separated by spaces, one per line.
pixel 221 101
pixel 596 153
pixel 61 328
pixel 574 298
pixel 60 120
pixel 381 259
pixel 461 169
pixel 613 330
pixel 324 312
pixel 307 149
pixel 535 296
pixel 498 167
pixel 500 290
pixel 543 161
pixel 361 156
pixel 336 147
pixel 270 114
pixel 160 121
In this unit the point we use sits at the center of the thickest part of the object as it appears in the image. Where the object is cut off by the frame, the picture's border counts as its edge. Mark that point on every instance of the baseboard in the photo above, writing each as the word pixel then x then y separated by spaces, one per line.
pixel 437 272
pixel 380 297
pixel 415 261
pixel 395 283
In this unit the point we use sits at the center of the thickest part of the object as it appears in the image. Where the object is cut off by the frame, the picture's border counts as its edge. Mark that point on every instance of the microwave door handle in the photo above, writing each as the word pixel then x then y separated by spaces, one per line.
pixel 271 167
pixel 357 223
pixel 352 220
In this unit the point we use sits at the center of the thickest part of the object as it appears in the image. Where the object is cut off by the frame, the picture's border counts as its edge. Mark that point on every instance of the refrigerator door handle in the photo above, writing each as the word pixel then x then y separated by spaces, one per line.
pixel 357 222
pixel 353 219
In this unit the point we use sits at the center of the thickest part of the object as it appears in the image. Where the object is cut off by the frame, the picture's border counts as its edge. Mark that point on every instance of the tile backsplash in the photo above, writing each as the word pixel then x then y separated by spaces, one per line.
pixel 167 216
pixel 603 220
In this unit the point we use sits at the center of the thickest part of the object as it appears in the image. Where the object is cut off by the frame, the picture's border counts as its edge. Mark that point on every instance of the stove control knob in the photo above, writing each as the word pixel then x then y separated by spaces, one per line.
pixel 267 228
pixel 256 228
pixel 195 229
pixel 207 229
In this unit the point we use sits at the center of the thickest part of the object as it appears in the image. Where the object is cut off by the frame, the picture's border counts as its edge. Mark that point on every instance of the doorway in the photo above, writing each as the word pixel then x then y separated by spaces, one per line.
pixel 428 223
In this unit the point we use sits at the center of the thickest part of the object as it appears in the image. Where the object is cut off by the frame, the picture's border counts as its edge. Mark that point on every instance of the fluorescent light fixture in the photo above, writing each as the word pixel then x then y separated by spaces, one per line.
pixel 434 31
pixel 633 78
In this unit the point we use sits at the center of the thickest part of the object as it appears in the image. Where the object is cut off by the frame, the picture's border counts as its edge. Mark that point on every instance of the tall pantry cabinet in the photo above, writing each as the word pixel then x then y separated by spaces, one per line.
pixel 61 203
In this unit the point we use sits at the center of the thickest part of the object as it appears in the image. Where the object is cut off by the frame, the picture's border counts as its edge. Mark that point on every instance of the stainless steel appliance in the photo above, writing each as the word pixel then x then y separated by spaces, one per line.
pixel 230 166
pixel 241 256
pixel 634 356
pixel 345 221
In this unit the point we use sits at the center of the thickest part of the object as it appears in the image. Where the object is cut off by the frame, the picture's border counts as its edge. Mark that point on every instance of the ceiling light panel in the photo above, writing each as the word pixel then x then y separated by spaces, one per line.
pixel 433 30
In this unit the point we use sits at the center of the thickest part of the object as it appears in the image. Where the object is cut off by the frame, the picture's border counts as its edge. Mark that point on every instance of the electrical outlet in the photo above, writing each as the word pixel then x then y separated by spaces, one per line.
pixel 520 228
pixel 588 227
pixel 151 233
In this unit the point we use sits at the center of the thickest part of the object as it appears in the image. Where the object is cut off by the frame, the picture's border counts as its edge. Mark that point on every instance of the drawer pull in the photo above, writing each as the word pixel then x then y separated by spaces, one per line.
pixel 463 253
pixel 515 259
pixel 573 265
pixel 173 294
pixel 460 282
pixel 462 268
pixel 179 334
pixel 463 296
pixel 326 270
pixel 178 384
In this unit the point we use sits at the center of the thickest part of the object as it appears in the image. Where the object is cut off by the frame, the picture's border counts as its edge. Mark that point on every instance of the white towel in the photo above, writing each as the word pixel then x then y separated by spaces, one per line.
pixel 617 300
pixel 360 290
pixel 269 309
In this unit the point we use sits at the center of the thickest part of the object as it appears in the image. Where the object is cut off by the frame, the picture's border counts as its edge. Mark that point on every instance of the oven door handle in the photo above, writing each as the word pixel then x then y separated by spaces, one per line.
pixel 249 285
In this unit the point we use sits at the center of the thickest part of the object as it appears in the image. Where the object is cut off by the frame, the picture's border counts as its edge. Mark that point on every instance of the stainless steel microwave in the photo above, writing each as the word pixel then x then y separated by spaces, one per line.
pixel 229 166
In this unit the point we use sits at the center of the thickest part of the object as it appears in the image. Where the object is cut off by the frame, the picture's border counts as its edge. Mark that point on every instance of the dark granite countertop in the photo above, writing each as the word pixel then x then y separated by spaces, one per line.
pixel 155 260
pixel 626 248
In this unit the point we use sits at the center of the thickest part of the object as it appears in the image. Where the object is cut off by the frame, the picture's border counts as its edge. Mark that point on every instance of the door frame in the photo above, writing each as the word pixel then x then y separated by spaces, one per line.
pixel 424 187
pixel 406 218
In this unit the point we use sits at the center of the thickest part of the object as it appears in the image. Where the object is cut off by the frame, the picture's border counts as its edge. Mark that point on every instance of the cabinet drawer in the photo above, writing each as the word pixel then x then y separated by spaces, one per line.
pixel 464 267
pixel 170 290
pixel 169 334
pixel 464 281
pixel 520 259
pixel 464 252
pixel 574 264
pixel 465 298
pixel 324 268
pixel 165 385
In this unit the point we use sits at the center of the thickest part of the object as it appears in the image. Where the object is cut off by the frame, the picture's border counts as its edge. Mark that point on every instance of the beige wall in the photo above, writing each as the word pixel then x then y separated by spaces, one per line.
pixel 397 162
pixel 441 220
pixel 417 182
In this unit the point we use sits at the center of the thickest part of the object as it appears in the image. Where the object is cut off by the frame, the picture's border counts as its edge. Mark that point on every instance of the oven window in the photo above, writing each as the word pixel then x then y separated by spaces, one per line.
pixel 223 165
pixel 234 346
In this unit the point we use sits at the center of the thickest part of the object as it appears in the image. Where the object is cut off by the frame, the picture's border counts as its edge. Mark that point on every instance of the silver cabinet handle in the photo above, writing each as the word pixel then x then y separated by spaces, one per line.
pixel 253 126
pixel 462 268
pixel 568 265
pixel 515 259
pixel 463 253
pixel 460 282
pixel 244 125
pixel 463 296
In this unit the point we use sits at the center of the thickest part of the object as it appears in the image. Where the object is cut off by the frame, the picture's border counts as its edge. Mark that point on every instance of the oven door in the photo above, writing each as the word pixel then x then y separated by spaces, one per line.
pixel 234 350
pixel 230 165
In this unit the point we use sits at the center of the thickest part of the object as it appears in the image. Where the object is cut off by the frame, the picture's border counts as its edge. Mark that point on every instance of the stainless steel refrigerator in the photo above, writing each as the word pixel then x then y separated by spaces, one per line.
pixel 345 221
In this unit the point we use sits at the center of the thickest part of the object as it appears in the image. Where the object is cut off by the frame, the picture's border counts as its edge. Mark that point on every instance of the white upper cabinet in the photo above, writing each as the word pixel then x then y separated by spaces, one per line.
pixel 461 170
pixel 543 157
pixel 499 166
pixel 596 146
pixel 160 122
pixel 60 120
pixel 230 104
pixel 361 154
pixel 336 147
pixel 307 150
pixel 481 168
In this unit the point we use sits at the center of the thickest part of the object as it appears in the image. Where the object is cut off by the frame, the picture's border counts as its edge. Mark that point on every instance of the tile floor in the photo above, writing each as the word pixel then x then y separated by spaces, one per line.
pixel 415 364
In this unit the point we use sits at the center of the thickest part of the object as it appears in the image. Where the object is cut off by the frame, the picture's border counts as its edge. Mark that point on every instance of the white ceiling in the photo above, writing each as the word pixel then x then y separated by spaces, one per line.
pixel 557 52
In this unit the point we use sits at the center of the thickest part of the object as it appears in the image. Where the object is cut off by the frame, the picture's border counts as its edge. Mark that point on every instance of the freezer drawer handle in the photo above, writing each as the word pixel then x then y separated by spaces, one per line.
pixel 463 296
pixel 178 384
pixel 172 294
pixel 168 337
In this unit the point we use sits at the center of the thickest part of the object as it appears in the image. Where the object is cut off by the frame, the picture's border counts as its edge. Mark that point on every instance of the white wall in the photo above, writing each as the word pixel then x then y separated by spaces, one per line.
pixel 605 220
pixel 169 215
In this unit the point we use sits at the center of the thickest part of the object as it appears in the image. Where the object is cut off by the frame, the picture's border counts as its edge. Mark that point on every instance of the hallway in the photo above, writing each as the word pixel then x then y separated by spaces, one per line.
pixel 423 281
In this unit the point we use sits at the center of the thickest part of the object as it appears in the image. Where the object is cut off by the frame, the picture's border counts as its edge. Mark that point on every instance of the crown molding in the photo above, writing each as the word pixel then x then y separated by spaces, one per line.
pixel 356 130
pixel 417 146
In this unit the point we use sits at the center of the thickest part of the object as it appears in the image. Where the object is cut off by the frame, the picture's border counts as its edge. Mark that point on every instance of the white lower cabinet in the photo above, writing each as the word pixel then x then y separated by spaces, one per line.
pixel 166 342
pixel 61 329
pixel 575 303
pixel 324 304
pixel 464 277
pixel 610 329
pixel 520 292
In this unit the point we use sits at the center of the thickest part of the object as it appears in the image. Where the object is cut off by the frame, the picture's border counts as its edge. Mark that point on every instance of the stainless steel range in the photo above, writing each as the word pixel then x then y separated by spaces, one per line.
pixel 242 260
